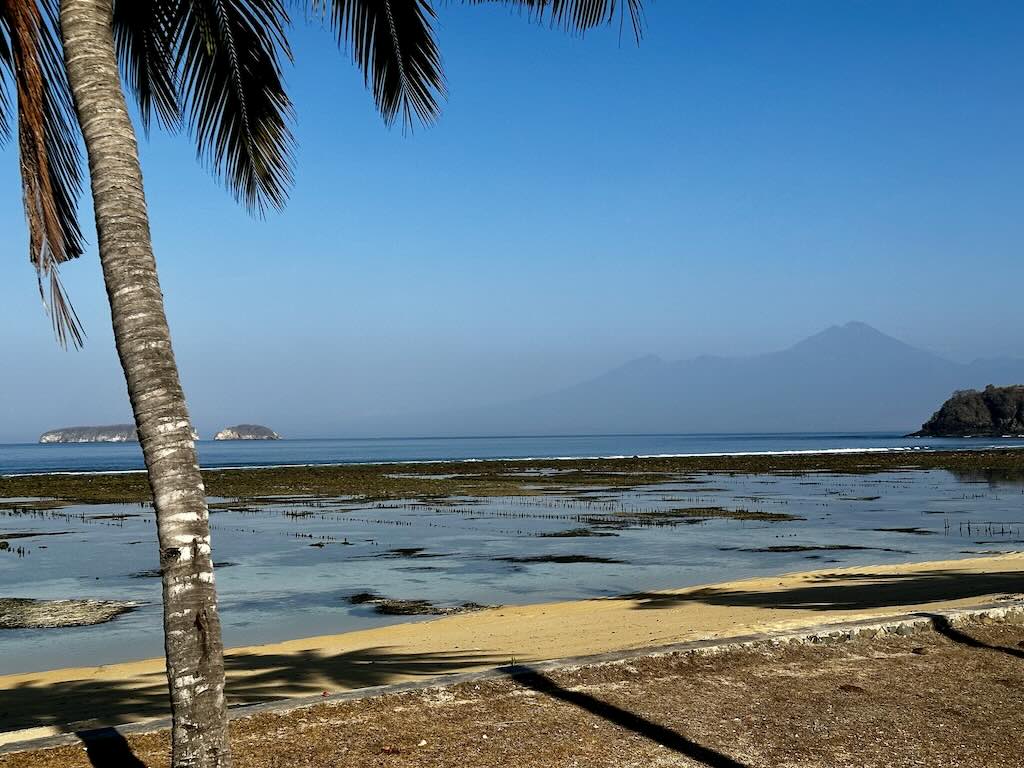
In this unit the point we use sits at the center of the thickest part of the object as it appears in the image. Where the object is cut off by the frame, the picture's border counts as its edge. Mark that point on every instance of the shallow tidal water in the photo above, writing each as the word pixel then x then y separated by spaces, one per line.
pixel 287 566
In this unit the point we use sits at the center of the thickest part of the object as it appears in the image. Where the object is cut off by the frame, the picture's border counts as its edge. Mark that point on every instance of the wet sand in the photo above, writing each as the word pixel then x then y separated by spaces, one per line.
pixel 39 704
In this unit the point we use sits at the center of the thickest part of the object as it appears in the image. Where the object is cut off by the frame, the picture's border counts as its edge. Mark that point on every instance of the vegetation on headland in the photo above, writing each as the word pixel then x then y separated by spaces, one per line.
pixel 994 411
pixel 373 482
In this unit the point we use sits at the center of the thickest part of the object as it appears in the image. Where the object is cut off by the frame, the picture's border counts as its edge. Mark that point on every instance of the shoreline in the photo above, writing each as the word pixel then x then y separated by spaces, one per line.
pixel 46 702
pixel 810 452
pixel 511 477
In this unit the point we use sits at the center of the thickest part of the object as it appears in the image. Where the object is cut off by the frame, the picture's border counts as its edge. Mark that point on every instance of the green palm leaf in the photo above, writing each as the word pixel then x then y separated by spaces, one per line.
pixel 145 34
pixel 6 69
pixel 392 42
pixel 578 15
pixel 229 55
pixel 219 61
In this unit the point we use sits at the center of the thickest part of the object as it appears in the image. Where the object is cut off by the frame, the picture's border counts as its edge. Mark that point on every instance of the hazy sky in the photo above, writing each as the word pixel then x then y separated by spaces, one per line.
pixel 753 172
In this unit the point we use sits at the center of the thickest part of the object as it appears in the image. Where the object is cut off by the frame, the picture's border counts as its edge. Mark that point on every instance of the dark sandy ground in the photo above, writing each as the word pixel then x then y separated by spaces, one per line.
pixel 949 697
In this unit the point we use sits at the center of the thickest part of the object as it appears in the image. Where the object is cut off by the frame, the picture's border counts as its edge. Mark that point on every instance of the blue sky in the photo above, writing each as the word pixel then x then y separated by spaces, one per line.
pixel 751 173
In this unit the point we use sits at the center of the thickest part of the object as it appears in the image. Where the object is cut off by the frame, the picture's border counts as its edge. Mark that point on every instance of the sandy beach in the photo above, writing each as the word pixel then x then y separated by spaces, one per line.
pixel 39 704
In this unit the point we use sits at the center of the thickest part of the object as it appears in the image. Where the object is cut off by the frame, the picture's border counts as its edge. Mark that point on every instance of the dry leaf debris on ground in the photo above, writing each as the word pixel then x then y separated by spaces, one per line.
pixel 951 697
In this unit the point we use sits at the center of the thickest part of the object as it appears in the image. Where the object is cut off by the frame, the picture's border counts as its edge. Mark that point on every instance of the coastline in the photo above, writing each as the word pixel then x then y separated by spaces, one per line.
pixel 50 702
pixel 532 460
pixel 494 477
pixel 535 460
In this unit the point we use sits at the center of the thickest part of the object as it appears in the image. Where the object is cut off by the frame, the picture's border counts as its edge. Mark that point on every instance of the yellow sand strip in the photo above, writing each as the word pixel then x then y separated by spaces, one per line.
pixel 45 703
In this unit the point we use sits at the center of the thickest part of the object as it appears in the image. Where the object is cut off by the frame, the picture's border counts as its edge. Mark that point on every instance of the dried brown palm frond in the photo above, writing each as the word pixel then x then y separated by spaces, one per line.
pixel 48 149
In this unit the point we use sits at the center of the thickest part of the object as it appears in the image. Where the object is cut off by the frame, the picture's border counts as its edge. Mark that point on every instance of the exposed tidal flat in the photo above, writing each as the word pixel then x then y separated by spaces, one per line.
pixel 298 546
pixel 35 458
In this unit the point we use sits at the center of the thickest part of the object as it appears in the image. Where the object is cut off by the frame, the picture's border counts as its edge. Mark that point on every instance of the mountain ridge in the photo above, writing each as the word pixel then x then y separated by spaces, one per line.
pixel 849 377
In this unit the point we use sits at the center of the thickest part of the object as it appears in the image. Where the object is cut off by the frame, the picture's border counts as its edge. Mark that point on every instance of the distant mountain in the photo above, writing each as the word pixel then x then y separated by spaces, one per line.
pixel 995 411
pixel 846 378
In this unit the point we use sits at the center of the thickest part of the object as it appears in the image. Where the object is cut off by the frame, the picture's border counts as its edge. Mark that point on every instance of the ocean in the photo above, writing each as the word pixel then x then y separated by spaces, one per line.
pixel 288 566
pixel 32 458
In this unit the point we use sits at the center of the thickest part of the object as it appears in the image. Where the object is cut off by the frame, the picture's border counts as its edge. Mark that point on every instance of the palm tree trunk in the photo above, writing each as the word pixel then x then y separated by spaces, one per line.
pixel 192 639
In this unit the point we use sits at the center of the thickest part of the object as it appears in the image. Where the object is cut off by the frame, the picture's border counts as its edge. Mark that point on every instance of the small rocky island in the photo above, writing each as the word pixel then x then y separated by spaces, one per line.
pixel 247 432
pixel 992 412
pixel 114 433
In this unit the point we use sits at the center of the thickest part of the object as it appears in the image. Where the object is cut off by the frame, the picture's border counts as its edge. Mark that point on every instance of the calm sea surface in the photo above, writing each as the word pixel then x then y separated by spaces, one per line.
pixel 97 457
pixel 287 566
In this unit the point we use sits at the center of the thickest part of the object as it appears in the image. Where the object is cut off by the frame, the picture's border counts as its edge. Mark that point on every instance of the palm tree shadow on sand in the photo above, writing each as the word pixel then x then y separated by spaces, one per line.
pixel 944 627
pixel 847 591
pixel 106 748
pixel 623 718
pixel 252 678
pixel 256 678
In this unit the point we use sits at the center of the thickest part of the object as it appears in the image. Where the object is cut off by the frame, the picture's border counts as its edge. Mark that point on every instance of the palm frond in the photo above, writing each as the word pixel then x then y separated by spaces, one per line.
pixel 6 69
pixel 49 155
pixel 579 15
pixel 392 42
pixel 229 55
pixel 144 34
